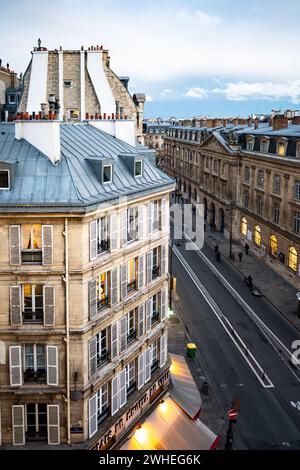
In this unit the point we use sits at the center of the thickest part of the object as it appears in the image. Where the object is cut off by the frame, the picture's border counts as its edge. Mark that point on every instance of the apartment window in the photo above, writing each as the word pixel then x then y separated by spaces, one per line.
pixel 130 377
pixel 260 178
pixel 131 325
pixel 224 190
pixel 4 179
pixel 259 204
pixel 155 309
pixel 276 212
pixel 281 149
pixel 68 83
pixel 250 145
pixel 257 235
pixel 206 163
pixel 103 241
pixel 277 184
pixel 273 245
pixel 32 243
pixel 296 221
pixel 132 274
pixel 32 301
pixel 34 363
pixel 298 150
pixel 244 226
pixel 155 356
pixel 246 198
pixel 297 189
pixel 215 166
pixel 107 174
pixel 103 290
pixel 132 224
pixel 36 422
pixel 102 403
pixel 224 169
pixel 293 259
pixel 138 168
pixel 246 174
pixel 264 146
pixel 155 263
pixel 102 348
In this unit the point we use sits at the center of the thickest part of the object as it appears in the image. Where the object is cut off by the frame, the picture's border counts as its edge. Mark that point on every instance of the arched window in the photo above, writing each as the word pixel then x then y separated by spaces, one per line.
pixel 257 235
pixel 273 245
pixel 293 258
pixel 244 226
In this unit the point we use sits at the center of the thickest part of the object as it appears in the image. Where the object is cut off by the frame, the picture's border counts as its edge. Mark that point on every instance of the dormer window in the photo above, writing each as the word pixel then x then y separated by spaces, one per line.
pixel 107 174
pixel 250 145
pixel 4 179
pixel 138 168
pixel 264 145
pixel 281 148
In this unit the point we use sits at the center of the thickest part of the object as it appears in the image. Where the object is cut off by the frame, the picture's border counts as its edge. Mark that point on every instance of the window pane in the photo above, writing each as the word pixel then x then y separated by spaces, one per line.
pixel 4 179
pixel 37 237
pixel 107 174
pixel 26 237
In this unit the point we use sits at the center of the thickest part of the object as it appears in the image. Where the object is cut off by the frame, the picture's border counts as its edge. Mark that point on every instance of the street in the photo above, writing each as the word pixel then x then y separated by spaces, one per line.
pixel 245 345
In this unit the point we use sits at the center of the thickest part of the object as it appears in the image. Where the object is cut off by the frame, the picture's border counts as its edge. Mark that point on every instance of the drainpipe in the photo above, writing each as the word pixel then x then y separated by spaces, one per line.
pixel 67 338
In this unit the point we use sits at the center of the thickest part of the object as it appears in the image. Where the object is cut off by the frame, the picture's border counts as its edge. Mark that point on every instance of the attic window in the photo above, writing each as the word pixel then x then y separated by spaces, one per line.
pixel 68 83
pixel 107 174
pixel 138 168
pixel 4 179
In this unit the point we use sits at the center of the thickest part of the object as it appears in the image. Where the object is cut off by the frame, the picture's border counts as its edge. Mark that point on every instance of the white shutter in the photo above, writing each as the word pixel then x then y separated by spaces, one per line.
pixel 53 424
pixel 93 424
pixel 92 299
pixel 114 287
pixel 122 388
pixel 141 222
pixel 114 341
pixel 18 424
pixel 149 308
pixel 163 304
pixel 148 362
pixel 47 244
pixel 123 334
pixel 93 240
pixel 163 350
pixel 149 266
pixel 150 213
pixel 141 371
pixel 15 365
pixel 165 215
pixel 141 320
pixel 114 395
pixel 141 271
pixel 49 305
pixel 14 244
pixel 15 305
pixel 123 227
pixel 52 365
pixel 113 226
pixel 123 270
pixel 163 259
pixel 92 356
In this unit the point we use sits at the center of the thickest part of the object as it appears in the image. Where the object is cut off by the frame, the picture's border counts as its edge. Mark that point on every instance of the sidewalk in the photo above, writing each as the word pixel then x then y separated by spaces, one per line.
pixel 279 292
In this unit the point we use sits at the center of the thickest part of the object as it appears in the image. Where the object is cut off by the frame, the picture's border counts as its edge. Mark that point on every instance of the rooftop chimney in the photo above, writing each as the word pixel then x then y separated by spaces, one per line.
pixel 256 122
pixel 296 120
pixel 280 122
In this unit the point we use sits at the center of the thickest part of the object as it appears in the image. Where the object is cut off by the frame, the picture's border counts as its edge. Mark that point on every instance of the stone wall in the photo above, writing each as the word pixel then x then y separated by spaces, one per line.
pixel 71 63
pixel 52 83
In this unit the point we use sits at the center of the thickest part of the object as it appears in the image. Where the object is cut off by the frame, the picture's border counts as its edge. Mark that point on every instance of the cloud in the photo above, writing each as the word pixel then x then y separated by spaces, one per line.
pixel 197 92
pixel 198 18
pixel 242 91
pixel 149 98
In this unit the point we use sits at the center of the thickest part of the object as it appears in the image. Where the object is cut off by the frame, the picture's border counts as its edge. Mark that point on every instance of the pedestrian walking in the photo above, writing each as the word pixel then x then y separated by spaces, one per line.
pixel 247 249
pixel 218 256
pixel 240 256
pixel 216 249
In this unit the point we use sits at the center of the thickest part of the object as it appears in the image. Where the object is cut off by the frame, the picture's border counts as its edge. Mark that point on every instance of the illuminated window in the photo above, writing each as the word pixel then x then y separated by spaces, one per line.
pixel 244 226
pixel 281 149
pixel 102 290
pixel 292 258
pixel 131 274
pixel 273 245
pixel 31 237
pixel 257 235
pixel 32 298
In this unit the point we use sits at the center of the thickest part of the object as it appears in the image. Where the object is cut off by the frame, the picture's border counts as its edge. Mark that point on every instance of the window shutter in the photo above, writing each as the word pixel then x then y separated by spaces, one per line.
pixel 141 271
pixel 47 244
pixel 165 217
pixel 93 425
pixel 163 350
pixel 52 365
pixel 141 371
pixel 49 305
pixel 92 299
pixel 114 288
pixel 15 305
pixel 141 222
pixel 150 208
pixel 123 280
pixel 123 228
pixel 123 334
pixel 149 308
pixel 149 266
pixel 114 340
pixel 148 361
pixel 113 232
pixel 18 423
pixel 114 395
pixel 93 356
pixel 163 259
pixel 122 388
pixel 15 244
pixel 163 304
pixel 93 240
pixel 53 424
pixel 15 365
pixel 141 320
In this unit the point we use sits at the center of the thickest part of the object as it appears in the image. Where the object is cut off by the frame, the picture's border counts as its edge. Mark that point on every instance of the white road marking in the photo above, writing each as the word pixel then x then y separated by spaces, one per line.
pixel 296 405
pixel 233 335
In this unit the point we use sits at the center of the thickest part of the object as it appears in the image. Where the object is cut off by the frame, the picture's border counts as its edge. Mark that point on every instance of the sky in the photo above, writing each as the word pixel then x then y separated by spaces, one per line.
pixel 190 58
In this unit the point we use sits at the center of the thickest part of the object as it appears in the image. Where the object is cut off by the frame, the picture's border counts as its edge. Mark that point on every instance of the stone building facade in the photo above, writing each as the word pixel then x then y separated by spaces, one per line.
pixel 248 178
pixel 9 92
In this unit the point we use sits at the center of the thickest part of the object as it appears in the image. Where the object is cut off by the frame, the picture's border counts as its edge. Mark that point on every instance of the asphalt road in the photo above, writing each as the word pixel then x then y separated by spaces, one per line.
pixel 267 419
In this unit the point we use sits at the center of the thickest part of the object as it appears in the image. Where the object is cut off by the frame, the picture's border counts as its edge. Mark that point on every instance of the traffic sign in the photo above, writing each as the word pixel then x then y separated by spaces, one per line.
pixel 232 415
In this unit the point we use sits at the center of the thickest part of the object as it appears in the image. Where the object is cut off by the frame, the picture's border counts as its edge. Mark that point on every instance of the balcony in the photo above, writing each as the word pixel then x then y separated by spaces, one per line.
pixel 31 256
